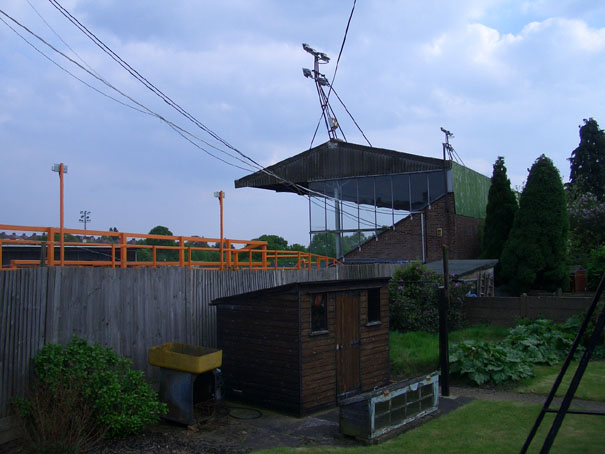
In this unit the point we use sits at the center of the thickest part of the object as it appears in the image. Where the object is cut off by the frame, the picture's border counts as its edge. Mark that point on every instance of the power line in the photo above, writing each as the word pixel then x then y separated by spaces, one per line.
pixel 146 109
pixel 60 38
pixel 143 80
pixel 181 131
pixel 331 86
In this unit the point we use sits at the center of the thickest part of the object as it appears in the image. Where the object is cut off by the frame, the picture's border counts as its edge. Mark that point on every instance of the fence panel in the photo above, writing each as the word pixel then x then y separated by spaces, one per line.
pixel 128 310
pixel 22 313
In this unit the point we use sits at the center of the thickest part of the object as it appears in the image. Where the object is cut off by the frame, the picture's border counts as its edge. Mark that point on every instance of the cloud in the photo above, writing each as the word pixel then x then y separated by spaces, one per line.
pixel 508 78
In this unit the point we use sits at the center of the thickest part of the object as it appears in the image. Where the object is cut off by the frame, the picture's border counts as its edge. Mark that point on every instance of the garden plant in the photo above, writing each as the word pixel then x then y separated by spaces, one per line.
pixel 82 393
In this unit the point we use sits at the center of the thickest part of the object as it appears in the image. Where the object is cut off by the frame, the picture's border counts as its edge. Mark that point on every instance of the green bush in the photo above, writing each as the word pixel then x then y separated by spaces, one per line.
pixel 537 342
pixel 414 300
pixel 595 267
pixel 120 398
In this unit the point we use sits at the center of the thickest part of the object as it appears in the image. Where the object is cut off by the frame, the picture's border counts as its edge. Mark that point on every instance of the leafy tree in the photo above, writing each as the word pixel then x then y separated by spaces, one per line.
pixel 274 242
pixel 587 162
pixel 325 243
pixel 298 247
pixel 202 256
pixel 500 212
pixel 586 221
pixel 534 255
pixel 596 267
pixel 162 255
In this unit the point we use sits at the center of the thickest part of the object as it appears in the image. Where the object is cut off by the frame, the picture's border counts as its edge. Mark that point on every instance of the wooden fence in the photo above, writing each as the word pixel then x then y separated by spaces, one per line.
pixel 506 311
pixel 128 310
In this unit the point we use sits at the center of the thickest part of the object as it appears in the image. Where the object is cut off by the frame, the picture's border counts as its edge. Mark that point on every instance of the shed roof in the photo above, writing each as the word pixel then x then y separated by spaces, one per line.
pixel 463 268
pixel 344 283
pixel 334 160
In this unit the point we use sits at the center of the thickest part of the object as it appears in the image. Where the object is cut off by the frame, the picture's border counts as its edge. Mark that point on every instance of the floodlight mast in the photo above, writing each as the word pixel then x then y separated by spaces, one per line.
pixel 330 121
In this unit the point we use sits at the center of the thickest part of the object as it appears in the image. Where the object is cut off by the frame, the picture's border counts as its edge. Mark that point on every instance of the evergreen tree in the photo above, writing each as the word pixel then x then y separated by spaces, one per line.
pixel 500 212
pixel 587 162
pixel 534 255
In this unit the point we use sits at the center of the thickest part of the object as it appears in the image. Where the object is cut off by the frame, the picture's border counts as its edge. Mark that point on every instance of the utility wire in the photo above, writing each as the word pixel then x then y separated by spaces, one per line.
pixel 331 85
pixel 145 110
pixel 184 133
pixel 61 39
pixel 155 90
pixel 144 81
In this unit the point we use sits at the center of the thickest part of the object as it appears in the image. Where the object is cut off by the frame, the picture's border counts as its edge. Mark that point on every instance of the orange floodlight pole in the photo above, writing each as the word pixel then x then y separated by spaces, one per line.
pixel 61 169
pixel 221 196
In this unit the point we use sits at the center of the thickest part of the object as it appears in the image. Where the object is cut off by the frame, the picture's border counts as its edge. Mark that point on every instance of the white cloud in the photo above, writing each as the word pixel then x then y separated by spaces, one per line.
pixel 508 78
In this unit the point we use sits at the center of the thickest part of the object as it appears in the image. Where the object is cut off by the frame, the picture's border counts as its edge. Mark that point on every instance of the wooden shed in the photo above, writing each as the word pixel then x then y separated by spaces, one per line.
pixel 301 347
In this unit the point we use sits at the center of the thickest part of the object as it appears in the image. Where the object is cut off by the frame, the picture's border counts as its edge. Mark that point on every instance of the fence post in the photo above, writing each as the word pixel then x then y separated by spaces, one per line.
pixel 444 342
pixel 264 256
pixel 51 247
pixel 444 303
pixel 123 251
pixel 42 254
pixel 181 251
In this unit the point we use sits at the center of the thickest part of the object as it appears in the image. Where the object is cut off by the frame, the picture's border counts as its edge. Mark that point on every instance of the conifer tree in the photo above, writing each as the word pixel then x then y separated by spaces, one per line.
pixel 587 162
pixel 500 212
pixel 534 255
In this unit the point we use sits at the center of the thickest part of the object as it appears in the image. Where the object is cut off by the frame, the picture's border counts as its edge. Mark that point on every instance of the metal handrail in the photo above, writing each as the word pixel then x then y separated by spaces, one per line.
pixel 251 254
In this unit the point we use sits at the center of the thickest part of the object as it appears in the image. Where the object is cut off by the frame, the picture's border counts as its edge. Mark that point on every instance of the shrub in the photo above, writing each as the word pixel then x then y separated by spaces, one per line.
pixel 58 420
pixel 538 342
pixel 414 300
pixel 595 267
pixel 122 403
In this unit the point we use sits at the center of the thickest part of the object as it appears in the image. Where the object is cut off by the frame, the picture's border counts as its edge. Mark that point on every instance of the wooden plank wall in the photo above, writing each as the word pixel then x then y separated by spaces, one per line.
pixel 374 355
pixel 259 339
pixel 506 311
pixel 128 310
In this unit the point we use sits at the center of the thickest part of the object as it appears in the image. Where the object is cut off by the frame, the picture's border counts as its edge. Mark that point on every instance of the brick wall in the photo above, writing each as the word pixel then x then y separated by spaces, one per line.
pixel 460 233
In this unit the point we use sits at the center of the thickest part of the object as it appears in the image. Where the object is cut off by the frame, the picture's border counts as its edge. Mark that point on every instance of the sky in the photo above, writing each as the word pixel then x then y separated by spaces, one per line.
pixel 508 78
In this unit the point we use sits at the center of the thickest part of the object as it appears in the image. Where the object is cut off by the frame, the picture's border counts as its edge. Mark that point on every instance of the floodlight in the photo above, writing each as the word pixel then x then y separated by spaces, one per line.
pixel 446 132
pixel 309 48
pixel 57 168
pixel 323 57
pixel 323 81
pixel 307 72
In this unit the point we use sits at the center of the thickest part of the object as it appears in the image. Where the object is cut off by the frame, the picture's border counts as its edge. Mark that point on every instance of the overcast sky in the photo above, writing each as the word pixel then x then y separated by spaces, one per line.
pixel 510 78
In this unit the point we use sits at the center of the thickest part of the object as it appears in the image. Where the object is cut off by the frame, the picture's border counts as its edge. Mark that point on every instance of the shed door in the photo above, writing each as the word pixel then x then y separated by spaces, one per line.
pixel 347 342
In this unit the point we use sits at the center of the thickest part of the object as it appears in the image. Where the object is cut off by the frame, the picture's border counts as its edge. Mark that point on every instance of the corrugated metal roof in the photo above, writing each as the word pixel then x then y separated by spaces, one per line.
pixel 334 160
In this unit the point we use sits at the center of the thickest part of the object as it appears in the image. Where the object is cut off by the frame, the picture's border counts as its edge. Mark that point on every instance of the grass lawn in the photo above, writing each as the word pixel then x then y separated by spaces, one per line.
pixel 484 427
pixel 417 353
pixel 592 386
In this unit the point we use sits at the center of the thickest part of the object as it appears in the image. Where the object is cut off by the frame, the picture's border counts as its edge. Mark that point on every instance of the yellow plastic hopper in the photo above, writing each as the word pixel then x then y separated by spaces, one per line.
pixel 187 358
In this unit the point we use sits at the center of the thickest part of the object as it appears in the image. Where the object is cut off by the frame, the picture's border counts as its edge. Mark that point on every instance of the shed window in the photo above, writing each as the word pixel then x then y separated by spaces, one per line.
pixel 373 305
pixel 319 312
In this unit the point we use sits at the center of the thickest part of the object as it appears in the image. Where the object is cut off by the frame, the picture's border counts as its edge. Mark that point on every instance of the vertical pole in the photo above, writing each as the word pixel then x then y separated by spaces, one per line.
pixel 443 328
pixel 51 246
pixel 61 239
pixel 220 201
pixel 182 252
pixel 123 251
pixel 337 225
pixel 422 237
pixel 42 254
pixel 310 225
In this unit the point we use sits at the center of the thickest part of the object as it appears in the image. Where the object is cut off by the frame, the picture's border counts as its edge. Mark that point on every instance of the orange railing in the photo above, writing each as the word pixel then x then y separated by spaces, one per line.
pixel 184 251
